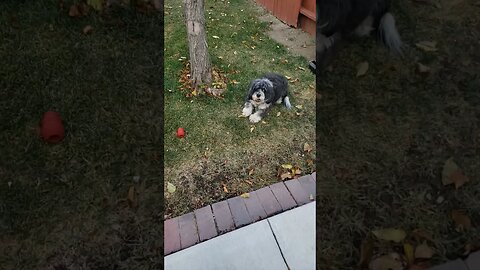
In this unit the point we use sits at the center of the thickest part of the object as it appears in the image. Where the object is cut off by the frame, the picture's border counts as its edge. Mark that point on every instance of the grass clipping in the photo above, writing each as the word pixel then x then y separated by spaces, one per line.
pixel 216 89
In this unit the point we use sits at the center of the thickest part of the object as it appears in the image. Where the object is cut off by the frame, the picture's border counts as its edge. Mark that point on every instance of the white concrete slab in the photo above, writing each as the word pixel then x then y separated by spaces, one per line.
pixel 295 233
pixel 251 247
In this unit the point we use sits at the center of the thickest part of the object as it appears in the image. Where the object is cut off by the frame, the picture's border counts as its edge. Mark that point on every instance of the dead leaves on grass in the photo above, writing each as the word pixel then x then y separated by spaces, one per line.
pixel 288 171
pixel 216 89
pixel 416 250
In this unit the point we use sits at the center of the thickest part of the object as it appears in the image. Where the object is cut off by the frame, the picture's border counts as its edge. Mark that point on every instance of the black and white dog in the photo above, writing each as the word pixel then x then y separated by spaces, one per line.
pixel 339 19
pixel 263 93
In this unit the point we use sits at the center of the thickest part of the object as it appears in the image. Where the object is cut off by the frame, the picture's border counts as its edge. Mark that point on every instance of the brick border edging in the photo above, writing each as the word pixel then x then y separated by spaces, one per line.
pixel 224 216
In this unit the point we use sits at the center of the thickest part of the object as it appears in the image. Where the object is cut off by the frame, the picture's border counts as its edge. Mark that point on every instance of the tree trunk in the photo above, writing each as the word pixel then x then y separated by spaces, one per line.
pixel 200 68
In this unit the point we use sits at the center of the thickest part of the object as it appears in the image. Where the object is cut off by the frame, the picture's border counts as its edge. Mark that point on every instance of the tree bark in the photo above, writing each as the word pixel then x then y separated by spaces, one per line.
pixel 200 67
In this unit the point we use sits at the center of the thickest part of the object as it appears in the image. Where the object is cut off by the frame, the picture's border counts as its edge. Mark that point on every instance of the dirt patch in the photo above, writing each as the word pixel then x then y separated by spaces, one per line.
pixel 297 41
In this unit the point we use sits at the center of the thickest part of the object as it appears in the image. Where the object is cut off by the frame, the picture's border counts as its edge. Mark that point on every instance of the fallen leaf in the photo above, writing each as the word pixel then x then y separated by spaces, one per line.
pixel 309 162
pixel 73 11
pixel 296 171
pixel 249 182
pixel 423 251
pixel 301 68
pixel 299 106
pixel 459 179
pixel 366 252
pixel 422 234
pixel 288 78
pixel 87 29
pixel 448 169
pixel 286 175
pixel 421 68
pixel 131 196
pixel 462 221
pixel 409 253
pixel 307 147
pixel 395 235
pixel 252 128
pixel 225 189
pixel 216 37
pixel 96 4
pixel 251 172
pixel 385 262
pixel 287 166
pixel 453 174
pixel 171 188
pixel 245 195
pixel 428 46
pixel 278 114
pixel 362 69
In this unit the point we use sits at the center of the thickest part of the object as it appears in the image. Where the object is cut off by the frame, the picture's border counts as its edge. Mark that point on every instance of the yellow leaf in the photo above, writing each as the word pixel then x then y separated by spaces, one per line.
pixel 251 129
pixel 299 106
pixel 287 166
pixel 251 171
pixel 245 195
pixel 96 4
pixel 278 114
pixel 408 250
pixel 423 251
pixel 171 188
pixel 428 46
pixel 390 234
pixel 225 189
pixel 216 37
pixel 362 69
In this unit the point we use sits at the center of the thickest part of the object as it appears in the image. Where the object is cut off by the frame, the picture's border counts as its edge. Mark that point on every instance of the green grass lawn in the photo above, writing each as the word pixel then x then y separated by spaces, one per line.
pixel 220 149
pixel 385 137
pixel 64 206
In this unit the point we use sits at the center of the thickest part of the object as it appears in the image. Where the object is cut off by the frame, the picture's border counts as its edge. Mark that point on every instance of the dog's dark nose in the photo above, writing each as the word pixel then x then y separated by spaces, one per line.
pixel 258 95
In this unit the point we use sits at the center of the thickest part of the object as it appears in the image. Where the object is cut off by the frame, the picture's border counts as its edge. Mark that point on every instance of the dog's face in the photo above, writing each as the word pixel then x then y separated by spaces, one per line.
pixel 261 90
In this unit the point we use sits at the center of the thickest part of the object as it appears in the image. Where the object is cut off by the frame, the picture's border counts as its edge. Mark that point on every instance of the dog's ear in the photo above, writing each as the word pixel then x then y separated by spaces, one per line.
pixel 251 89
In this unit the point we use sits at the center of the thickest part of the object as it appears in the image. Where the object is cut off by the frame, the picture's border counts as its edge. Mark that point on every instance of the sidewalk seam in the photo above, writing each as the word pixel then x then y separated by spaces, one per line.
pixel 278 245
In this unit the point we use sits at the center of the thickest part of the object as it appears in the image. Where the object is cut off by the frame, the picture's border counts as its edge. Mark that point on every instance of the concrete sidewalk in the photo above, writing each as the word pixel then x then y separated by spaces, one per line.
pixel 284 241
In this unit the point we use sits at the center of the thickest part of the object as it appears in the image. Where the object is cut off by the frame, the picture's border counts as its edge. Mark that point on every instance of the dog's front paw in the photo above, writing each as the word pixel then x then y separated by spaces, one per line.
pixel 247 111
pixel 255 118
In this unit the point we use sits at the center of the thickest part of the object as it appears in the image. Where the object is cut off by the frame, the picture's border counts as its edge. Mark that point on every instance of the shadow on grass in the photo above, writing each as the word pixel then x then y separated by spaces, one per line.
pixel 64 205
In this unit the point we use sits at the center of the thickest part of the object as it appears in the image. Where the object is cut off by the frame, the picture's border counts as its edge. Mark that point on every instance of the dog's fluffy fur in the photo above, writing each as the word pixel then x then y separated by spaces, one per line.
pixel 263 93
pixel 339 19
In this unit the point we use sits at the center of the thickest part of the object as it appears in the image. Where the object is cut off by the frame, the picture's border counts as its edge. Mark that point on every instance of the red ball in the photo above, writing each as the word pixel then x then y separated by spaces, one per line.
pixel 180 133
pixel 51 127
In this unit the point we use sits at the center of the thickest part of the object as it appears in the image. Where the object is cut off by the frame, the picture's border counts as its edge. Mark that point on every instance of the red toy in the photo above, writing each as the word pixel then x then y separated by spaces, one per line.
pixel 180 133
pixel 51 127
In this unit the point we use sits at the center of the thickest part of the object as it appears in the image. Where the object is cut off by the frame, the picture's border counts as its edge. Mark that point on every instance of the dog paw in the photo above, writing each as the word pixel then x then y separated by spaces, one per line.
pixel 247 111
pixel 254 118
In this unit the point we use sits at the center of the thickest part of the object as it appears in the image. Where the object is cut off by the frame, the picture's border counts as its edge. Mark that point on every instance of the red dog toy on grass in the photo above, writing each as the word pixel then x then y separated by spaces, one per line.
pixel 180 133
pixel 51 127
